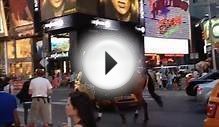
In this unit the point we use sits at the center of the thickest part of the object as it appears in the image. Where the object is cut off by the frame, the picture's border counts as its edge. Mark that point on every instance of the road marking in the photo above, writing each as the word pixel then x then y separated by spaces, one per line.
pixel 58 103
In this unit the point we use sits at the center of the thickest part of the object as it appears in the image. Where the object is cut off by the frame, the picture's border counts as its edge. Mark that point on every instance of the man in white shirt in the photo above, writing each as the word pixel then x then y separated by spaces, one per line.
pixel 40 89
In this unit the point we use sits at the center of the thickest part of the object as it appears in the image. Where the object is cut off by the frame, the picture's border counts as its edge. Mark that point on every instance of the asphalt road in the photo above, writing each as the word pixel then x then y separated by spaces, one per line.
pixel 179 110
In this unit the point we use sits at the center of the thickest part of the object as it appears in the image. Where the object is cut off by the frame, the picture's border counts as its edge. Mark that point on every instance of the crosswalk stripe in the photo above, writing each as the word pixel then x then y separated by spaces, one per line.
pixel 63 102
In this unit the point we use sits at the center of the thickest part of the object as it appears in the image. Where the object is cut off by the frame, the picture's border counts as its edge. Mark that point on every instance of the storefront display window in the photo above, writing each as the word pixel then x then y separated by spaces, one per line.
pixel 10 50
pixel 23 48
pixel 20 58
pixel 21 69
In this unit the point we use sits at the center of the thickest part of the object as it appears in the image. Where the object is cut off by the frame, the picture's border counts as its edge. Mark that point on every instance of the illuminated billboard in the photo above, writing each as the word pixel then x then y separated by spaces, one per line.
pixel 21 12
pixel 56 8
pixel 122 10
pixel 167 18
pixel 22 17
pixel 60 44
pixel 3 27
pixel 166 46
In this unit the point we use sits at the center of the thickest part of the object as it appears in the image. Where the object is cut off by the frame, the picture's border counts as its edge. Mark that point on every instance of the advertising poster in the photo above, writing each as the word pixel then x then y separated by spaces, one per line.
pixel 123 10
pixel 21 13
pixel 56 8
pixel 60 44
pixel 167 18
pixel 3 27
pixel 22 16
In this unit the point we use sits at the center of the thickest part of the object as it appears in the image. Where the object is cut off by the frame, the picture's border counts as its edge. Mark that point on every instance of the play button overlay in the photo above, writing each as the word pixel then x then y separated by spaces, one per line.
pixel 109 63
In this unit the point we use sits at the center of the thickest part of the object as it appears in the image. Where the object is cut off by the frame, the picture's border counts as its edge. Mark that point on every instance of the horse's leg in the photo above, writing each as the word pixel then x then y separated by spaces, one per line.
pixel 122 115
pixel 145 107
pixel 144 104
pixel 99 112
pixel 136 114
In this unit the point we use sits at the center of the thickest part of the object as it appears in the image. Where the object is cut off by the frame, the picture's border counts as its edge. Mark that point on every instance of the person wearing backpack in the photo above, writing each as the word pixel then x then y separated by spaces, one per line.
pixel 25 98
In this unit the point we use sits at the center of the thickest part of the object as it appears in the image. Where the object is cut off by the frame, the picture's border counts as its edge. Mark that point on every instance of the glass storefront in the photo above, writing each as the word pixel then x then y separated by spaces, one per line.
pixel 11 50
pixel 23 48
pixel 19 58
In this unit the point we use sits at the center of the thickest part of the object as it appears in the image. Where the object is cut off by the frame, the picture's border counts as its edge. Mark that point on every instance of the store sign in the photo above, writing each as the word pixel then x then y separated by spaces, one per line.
pixel 59 55
pixel 54 23
pixel 59 23
pixel 105 24
pixel 99 22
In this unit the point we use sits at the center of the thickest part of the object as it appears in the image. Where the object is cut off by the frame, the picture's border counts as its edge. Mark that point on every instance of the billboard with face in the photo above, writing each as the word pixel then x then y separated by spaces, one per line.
pixel 57 8
pixel 3 27
pixel 123 10
pixel 167 18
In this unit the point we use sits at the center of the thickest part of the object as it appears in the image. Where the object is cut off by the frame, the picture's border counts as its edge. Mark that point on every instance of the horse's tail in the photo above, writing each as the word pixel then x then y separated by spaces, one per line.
pixel 151 89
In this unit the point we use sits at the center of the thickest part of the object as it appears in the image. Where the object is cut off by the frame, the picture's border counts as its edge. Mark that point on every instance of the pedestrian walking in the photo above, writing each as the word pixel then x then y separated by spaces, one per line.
pixel 25 98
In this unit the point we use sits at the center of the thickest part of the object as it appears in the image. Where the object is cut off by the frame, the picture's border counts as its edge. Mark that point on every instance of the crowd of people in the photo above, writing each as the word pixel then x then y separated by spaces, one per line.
pixel 173 79
pixel 35 95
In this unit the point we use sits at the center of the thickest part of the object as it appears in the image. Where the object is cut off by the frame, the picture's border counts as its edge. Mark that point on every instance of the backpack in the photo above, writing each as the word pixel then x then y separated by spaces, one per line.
pixel 24 95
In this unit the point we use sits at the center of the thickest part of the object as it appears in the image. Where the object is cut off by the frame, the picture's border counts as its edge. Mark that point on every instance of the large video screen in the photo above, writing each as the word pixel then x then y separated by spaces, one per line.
pixel 123 10
pixel 167 18
pixel 57 8
pixel 166 46
pixel 21 12
pixel 59 45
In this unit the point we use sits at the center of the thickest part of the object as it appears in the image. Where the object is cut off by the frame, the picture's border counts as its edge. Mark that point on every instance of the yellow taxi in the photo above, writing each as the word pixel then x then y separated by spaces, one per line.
pixel 212 119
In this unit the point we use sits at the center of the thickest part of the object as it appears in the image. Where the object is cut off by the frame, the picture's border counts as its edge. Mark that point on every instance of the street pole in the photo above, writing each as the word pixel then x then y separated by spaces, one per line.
pixel 210 36
pixel 45 50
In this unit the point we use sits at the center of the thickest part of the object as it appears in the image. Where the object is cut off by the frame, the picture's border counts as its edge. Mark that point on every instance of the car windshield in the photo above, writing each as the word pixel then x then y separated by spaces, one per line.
pixel 213 75
pixel 183 67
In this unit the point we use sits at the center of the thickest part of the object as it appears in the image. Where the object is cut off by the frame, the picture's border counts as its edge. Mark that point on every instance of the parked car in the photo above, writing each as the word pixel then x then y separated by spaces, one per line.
pixel 204 91
pixel 191 88
pixel 212 119
pixel 186 68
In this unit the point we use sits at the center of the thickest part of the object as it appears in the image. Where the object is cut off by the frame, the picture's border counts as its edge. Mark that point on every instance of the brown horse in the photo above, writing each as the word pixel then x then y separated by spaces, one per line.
pixel 139 82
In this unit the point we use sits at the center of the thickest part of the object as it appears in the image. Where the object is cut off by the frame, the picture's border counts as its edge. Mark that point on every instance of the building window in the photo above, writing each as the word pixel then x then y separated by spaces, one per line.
pixel 23 48
pixel 11 50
